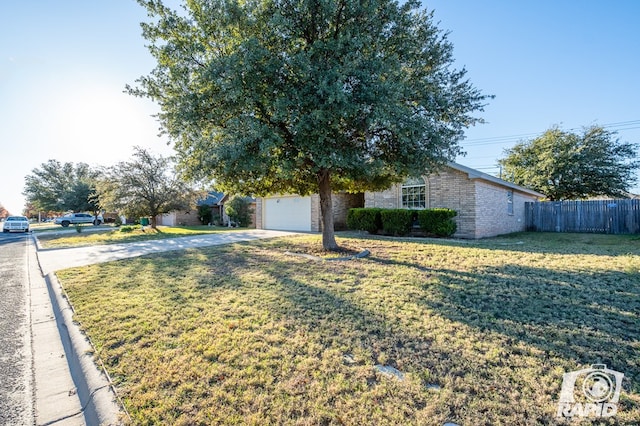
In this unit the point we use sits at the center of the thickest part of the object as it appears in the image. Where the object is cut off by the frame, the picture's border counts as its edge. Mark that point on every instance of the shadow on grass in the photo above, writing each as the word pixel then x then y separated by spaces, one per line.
pixel 532 242
pixel 583 318
pixel 591 317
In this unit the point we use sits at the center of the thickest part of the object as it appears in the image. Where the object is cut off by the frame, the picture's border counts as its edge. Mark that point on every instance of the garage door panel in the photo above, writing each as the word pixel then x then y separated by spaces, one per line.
pixel 288 213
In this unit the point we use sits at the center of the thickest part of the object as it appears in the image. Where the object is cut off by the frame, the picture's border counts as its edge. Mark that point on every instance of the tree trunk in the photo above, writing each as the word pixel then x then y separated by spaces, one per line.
pixel 326 210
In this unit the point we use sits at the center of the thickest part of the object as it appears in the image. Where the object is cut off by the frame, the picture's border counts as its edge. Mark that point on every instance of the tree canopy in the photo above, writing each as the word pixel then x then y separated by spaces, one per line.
pixel 146 186
pixel 306 96
pixel 59 187
pixel 565 165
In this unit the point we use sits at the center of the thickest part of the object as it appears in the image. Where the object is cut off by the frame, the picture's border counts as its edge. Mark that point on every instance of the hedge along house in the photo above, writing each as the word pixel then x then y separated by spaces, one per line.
pixel 487 206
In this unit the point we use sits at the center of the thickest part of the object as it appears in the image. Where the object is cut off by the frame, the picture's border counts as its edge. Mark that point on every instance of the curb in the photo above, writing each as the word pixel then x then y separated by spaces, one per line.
pixel 98 400
pixel 94 388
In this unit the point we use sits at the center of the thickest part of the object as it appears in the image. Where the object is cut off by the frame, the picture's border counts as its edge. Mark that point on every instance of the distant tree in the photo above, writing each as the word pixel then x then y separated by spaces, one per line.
pixel 144 187
pixel 312 96
pixel 564 165
pixel 3 212
pixel 239 210
pixel 60 187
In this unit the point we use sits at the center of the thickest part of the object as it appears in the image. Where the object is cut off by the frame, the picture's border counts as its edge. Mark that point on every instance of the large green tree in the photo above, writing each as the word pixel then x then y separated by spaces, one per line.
pixel 565 165
pixel 145 186
pixel 59 187
pixel 306 96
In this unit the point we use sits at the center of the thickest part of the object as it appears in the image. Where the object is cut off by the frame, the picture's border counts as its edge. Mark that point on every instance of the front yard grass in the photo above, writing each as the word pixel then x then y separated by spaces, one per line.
pixel 482 331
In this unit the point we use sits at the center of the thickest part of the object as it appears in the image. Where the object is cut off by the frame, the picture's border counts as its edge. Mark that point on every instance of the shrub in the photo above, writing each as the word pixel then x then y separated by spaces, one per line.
pixel 397 221
pixel 204 214
pixel 364 219
pixel 438 221
pixel 239 210
pixel 127 228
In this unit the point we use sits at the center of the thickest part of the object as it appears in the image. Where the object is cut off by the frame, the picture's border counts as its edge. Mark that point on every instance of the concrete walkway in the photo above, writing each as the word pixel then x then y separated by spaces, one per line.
pixel 55 259
pixel 69 389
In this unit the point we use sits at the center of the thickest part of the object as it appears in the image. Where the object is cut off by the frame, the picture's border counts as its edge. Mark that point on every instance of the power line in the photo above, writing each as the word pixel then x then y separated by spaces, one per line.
pixel 498 140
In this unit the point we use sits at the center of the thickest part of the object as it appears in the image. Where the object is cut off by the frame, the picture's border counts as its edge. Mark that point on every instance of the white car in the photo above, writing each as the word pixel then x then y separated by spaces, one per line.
pixel 76 218
pixel 15 223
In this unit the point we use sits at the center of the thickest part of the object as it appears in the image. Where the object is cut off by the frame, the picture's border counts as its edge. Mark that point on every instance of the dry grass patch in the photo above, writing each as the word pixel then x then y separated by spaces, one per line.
pixel 246 334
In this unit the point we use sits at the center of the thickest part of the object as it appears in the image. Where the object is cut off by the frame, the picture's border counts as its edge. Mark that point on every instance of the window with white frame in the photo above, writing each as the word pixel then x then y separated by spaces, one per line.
pixel 509 202
pixel 414 194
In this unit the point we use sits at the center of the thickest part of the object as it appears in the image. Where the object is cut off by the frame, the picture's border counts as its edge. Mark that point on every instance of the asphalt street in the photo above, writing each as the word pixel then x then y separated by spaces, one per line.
pixel 16 375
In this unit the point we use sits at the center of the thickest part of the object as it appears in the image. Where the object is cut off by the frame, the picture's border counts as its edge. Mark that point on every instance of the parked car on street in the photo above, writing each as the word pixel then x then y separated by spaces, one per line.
pixel 77 218
pixel 15 223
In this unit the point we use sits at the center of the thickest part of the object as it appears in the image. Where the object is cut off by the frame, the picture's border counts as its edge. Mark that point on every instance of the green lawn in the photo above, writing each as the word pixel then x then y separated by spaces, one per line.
pixel 483 331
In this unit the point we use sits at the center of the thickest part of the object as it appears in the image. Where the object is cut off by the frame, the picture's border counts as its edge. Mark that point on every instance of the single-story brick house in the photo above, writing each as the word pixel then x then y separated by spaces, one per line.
pixel 215 200
pixel 487 206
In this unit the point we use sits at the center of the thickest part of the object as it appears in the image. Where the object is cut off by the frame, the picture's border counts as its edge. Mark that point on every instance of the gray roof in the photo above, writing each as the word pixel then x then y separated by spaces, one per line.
pixel 213 198
pixel 476 174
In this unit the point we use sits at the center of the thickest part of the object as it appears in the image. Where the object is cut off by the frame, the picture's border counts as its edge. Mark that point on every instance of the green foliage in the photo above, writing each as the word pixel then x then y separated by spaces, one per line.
pixel 146 186
pixel 59 187
pixel 204 214
pixel 397 221
pixel 239 211
pixel 438 221
pixel 128 228
pixel 364 219
pixel 564 165
pixel 306 97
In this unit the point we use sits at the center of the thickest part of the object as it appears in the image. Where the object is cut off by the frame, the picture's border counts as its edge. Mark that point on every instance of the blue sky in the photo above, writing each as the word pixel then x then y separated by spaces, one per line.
pixel 64 65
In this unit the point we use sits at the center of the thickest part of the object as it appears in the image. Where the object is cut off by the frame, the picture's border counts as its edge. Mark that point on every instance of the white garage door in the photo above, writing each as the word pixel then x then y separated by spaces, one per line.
pixel 288 213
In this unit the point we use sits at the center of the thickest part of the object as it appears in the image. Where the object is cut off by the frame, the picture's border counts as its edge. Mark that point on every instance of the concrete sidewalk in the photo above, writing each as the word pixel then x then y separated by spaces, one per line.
pixel 69 388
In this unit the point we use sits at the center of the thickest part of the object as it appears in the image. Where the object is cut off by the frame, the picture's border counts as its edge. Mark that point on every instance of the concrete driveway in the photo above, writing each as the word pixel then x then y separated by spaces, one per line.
pixel 52 260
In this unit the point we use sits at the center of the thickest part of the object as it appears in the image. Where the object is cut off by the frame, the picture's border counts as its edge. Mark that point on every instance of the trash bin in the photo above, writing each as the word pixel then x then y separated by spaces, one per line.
pixel 144 221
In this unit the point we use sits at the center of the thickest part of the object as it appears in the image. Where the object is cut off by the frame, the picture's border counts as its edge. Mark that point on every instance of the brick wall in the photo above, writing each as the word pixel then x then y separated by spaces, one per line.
pixel 493 217
pixel 316 216
pixel 452 189
pixel 187 218
pixel 179 218
pixel 448 188
pixel 259 220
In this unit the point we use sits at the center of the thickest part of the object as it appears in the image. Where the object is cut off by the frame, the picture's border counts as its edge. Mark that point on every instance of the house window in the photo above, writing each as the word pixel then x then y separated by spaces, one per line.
pixel 414 194
pixel 510 202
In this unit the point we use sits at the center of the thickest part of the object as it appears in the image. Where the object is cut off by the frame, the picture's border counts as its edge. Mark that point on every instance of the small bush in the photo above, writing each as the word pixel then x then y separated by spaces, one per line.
pixel 438 221
pixel 78 228
pixel 364 219
pixel 239 210
pixel 204 214
pixel 127 228
pixel 397 221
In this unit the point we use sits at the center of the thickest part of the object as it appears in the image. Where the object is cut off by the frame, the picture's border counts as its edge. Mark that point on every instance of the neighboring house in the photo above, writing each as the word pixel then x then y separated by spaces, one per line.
pixel 486 206
pixel 215 200
pixel 190 217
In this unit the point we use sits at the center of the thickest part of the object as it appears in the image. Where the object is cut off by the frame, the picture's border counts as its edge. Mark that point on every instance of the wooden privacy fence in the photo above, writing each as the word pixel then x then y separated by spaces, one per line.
pixel 600 216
